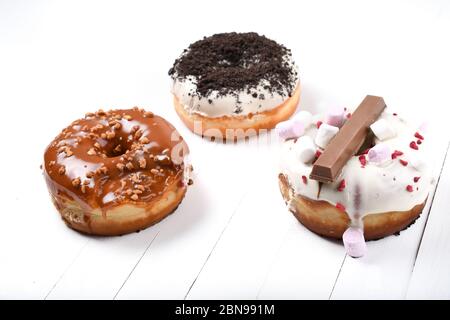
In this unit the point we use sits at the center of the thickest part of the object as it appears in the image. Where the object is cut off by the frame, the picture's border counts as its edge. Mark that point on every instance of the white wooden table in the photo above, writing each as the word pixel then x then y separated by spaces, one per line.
pixel 232 236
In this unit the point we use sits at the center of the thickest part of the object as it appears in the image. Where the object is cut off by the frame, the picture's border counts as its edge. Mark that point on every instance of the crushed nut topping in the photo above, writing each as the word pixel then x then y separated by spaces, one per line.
pixel 142 163
pixel 62 170
pixel 92 152
pixel 110 135
pixel 144 140
pixel 76 182
pixel 134 197
pixel 129 166
pixel 120 166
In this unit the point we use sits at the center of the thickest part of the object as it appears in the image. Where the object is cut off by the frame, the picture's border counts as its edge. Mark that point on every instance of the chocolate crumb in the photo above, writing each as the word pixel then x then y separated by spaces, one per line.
pixel 230 62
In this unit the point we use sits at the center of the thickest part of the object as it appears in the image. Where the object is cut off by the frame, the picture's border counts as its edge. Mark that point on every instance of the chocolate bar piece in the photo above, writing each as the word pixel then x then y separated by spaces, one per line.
pixel 348 140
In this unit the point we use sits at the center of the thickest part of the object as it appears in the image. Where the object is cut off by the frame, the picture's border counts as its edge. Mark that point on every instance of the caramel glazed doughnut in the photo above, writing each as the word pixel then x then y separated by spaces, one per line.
pixel 116 172
pixel 379 198
pixel 232 85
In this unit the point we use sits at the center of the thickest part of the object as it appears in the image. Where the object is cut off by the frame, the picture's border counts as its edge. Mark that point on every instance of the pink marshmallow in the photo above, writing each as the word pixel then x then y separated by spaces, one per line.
pixel 354 242
pixel 290 129
pixel 379 153
pixel 335 117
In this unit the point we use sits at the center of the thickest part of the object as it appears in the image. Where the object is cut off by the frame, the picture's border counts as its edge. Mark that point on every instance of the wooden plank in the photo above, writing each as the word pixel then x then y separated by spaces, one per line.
pixel 384 272
pixel 431 274
pixel 170 266
pixel 247 253
pixel 242 258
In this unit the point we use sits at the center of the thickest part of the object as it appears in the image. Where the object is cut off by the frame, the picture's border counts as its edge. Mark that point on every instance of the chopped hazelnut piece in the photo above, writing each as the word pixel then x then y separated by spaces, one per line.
pixel 97 145
pixel 154 171
pixel 134 197
pixel 145 140
pixel 138 134
pixel 92 152
pixel 76 182
pixel 62 170
pixel 120 166
pixel 140 187
pixel 110 135
pixel 103 170
pixel 129 166
pixel 127 117
pixel 83 188
pixel 89 175
pixel 148 114
pixel 51 163
pixel 142 163
pixel 129 192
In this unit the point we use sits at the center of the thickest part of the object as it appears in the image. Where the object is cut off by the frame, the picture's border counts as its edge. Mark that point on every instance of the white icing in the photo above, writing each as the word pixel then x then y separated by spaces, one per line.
pixel 374 188
pixel 238 103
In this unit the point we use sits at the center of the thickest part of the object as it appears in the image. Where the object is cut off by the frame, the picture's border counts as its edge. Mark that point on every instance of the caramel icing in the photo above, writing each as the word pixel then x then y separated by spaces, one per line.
pixel 110 158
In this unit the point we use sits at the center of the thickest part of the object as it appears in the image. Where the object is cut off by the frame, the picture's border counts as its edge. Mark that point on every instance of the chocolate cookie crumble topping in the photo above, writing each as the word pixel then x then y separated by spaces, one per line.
pixel 230 62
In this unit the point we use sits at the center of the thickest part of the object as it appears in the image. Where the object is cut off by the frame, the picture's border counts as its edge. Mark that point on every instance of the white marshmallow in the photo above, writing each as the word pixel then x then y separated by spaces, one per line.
pixel 335 116
pixel 305 117
pixel 382 129
pixel 325 134
pixel 290 129
pixel 305 149
pixel 354 242
pixel 380 153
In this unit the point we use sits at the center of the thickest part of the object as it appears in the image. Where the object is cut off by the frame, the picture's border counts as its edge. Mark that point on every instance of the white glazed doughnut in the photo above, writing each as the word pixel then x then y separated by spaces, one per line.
pixel 382 196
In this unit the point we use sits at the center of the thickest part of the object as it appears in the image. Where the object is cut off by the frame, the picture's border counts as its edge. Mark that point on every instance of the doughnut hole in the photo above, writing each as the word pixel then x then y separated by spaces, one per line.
pixel 117 146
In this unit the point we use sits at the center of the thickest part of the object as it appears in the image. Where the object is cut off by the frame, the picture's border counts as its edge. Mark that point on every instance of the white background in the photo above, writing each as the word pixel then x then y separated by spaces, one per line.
pixel 232 237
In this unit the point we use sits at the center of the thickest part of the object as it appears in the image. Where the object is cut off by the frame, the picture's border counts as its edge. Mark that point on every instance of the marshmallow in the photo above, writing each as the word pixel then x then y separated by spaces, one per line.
pixel 325 134
pixel 304 117
pixel 335 117
pixel 354 242
pixel 382 130
pixel 305 149
pixel 380 153
pixel 290 129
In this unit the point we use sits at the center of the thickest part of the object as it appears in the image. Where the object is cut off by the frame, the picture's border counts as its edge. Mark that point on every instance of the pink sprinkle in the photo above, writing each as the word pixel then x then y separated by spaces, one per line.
pixel 419 141
pixel 340 206
pixel 363 160
pixel 349 115
pixel 341 186
pixel 418 136
pixel 305 180
pixel 396 154
pixel 413 145
pixel 409 188
pixel 366 151
pixel 416 179
pixel 318 153
pixel 403 162
pixel 318 124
